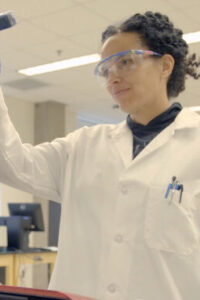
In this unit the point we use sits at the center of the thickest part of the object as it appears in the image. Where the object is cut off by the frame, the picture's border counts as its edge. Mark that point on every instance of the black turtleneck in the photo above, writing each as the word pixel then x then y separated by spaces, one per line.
pixel 143 134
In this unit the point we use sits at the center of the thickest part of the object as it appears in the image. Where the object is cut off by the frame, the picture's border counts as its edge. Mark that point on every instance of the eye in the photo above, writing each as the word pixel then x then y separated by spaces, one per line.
pixel 125 61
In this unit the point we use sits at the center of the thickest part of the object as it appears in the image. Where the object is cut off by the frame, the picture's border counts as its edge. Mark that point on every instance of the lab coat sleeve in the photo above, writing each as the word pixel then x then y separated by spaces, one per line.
pixel 36 169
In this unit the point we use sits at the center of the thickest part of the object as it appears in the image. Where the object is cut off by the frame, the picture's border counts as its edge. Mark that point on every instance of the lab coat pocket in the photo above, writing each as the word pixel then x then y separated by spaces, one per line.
pixel 169 224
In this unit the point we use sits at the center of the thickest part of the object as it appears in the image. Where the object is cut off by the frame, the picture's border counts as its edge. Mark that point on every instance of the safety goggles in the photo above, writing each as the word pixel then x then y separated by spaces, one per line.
pixel 120 63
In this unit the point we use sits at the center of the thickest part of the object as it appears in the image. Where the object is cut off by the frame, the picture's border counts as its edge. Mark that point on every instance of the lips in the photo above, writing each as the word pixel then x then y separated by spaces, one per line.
pixel 120 92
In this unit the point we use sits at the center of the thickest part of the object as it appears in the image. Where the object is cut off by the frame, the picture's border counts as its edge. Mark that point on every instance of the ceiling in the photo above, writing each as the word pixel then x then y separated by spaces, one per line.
pixel 49 30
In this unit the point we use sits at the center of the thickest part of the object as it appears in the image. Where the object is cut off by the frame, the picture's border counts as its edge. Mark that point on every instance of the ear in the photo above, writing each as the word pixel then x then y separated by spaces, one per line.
pixel 167 65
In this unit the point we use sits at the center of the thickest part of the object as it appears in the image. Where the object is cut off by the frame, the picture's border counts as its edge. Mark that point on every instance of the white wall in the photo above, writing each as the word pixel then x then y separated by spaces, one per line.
pixel 70 120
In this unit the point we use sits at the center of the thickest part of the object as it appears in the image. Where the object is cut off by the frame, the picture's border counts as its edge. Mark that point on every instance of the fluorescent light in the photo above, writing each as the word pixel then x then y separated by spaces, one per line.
pixel 193 37
pixel 61 65
pixel 194 108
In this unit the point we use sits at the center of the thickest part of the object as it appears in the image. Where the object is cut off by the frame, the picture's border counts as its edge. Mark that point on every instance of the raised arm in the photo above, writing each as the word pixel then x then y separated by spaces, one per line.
pixel 36 169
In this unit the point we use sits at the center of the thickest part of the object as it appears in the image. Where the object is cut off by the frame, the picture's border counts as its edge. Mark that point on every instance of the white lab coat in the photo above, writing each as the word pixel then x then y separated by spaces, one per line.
pixel 119 238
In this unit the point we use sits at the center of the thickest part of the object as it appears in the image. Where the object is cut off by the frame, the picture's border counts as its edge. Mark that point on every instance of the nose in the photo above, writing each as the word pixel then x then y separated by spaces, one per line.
pixel 113 77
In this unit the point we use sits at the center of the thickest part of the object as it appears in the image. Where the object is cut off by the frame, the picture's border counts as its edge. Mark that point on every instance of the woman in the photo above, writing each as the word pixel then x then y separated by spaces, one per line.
pixel 130 225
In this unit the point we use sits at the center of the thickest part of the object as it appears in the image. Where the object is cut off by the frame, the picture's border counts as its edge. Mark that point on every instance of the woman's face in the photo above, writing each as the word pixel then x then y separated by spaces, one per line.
pixel 140 89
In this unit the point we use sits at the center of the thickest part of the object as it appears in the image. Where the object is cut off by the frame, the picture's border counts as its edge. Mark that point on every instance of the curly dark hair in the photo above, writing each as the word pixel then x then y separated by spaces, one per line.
pixel 158 33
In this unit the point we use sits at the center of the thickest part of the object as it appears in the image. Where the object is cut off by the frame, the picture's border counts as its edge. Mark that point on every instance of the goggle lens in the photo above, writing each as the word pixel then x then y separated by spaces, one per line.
pixel 120 64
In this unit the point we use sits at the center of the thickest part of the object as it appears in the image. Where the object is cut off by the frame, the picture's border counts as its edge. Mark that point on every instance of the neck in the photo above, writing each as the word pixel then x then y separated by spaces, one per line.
pixel 148 113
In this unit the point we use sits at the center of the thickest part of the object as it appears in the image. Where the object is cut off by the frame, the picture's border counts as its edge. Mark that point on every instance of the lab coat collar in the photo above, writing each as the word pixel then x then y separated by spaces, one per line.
pixel 186 119
pixel 123 138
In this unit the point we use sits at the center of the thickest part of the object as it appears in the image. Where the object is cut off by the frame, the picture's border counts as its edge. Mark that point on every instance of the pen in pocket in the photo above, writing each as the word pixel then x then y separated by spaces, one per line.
pixel 172 187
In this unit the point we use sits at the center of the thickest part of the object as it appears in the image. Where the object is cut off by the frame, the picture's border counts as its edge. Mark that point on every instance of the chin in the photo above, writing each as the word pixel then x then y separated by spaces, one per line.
pixel 127 108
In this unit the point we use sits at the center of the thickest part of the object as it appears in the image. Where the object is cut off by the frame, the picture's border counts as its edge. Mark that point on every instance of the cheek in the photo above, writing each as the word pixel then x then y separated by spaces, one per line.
pixel 144 81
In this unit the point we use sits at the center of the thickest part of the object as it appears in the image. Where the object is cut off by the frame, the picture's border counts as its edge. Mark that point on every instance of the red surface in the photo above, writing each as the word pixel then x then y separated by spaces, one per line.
pixel 42 293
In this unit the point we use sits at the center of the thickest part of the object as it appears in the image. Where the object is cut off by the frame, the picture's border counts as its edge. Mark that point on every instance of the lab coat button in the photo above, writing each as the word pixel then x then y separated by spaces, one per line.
pixel 112 288
pixel 119 238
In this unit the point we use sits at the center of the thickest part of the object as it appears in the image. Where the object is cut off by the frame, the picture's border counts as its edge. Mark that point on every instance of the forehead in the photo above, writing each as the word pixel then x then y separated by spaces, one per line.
pixel 120 42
